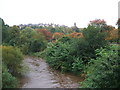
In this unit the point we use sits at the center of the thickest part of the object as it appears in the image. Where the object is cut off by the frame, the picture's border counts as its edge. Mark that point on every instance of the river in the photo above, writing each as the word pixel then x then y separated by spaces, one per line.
pixel 40 75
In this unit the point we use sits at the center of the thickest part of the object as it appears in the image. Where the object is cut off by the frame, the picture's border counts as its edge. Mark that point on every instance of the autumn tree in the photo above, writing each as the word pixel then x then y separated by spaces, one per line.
pixel 101 24
pixel 113 35
pixel 98 23
pixel 75 35
pixel 31 41
pixel 57 35
pixel 46 33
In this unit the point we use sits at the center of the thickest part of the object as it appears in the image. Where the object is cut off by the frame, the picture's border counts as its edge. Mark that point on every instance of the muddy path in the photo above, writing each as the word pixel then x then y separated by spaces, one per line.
pixel 40 75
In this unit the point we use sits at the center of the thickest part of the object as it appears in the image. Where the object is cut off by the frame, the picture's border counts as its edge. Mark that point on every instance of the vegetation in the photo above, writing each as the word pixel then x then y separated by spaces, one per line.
pixel 85 51
pixel 8 81
pixel 104 71
pixel 31 41
pixel 72 54
pixel 12 58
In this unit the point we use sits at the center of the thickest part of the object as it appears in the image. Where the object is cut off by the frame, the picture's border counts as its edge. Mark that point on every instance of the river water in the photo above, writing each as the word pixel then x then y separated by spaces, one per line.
pixel 40 75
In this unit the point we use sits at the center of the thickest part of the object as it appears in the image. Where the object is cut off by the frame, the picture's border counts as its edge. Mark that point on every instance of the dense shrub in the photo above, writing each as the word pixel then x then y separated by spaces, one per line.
pixel 58 55
pixel 94 37
pixel 78 66
pixel 12 58
pixel 57 35
pixel 8 81
pixel 31 41
pixel 104 71
pixel 73 54
pixel 85 47
pixel 13 36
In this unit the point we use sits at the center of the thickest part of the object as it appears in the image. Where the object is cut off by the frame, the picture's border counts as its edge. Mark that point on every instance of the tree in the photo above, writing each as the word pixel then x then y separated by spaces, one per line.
pixel 75 35
pixel 31 41
pixel 13 35
pixel 46 33
pixel 113 35
pixel 100 24
pixel 57 35
pixel 85 47
pixel 95 38
pixel 4 28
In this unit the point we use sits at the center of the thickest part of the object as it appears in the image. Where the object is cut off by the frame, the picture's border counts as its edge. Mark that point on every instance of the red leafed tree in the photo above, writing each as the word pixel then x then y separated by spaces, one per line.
pixel 98 23
pixel 46 33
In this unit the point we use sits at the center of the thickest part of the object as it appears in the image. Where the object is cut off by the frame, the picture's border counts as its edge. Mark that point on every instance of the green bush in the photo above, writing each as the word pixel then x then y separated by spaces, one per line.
pixel 63 55
pixel 12 58
pixel 85 47
pixel 8 81
pixel 58 56
pixel 78 66
pixel 31 41
pixel 37 45
pixel 104 71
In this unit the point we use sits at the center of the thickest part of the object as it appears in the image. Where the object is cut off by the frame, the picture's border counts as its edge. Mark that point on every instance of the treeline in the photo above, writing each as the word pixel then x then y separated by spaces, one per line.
pixel 91 52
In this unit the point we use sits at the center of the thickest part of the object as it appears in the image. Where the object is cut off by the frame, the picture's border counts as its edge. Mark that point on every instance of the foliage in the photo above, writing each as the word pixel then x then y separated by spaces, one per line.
pixel 98 23
pixel 8 81
pixel 113 35
pixel 75 35
pixel 85 47
pixel 78 66
pixel 94 37
pixel 65 39
pixel 13 36
pixel 104 71
pixel 58 56
pixel 101 24
pixel 57 35
pixel 4 28
pixel 46 33
pixel 73 54
pixel 31 41
pixel 12 58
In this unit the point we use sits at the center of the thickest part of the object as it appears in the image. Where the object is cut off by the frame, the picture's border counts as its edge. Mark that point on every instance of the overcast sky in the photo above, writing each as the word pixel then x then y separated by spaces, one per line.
pixel 15 12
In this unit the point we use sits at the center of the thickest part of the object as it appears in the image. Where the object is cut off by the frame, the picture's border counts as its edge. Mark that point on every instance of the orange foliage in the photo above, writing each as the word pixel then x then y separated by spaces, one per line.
pixel 57 35
pixel 113 34
pixel 75 35
pixel 46 33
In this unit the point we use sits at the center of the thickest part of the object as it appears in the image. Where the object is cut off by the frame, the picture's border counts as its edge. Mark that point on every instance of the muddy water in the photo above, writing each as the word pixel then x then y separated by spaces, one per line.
pixel 40 75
